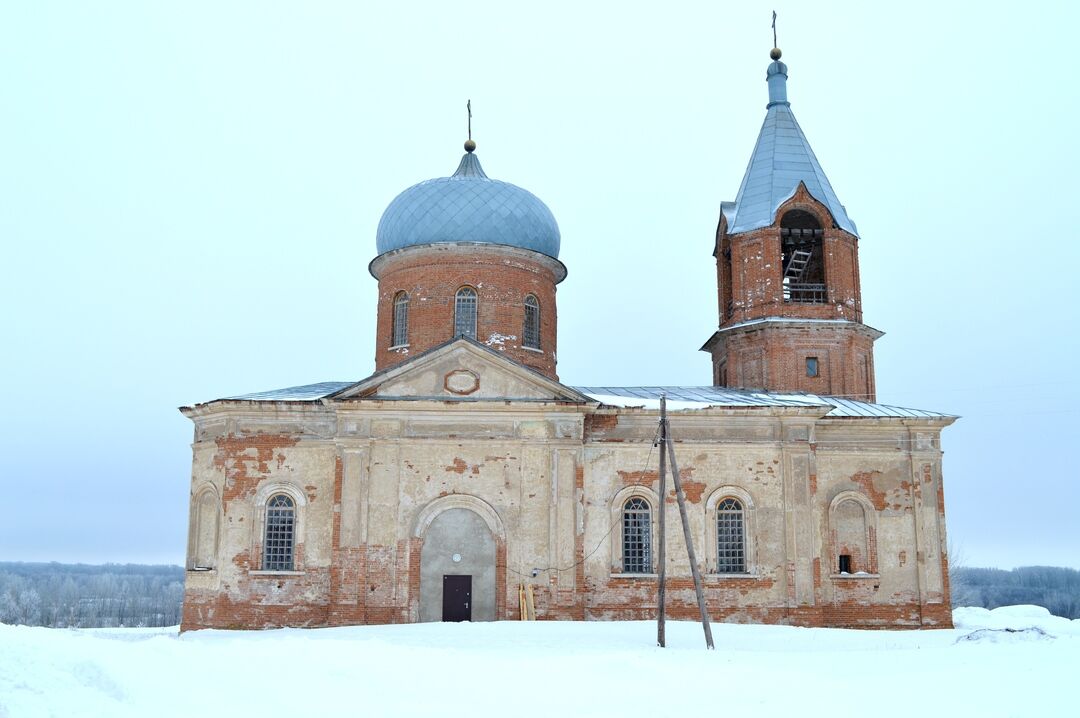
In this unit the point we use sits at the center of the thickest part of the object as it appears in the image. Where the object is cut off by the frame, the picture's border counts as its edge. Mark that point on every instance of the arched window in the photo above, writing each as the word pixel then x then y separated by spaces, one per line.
pixel 531 333
pixel 637 536
pixel 803 258
pixel 730 537
pixel 399 333
pixel 280 535
pixel 465 313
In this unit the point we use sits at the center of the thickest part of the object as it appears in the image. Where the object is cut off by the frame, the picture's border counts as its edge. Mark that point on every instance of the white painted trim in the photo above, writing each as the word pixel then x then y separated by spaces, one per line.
pixel 276 573
pixel 262 496
pixel 195 526
pixel 459 501
pixel 749 535
pixel 615 528
pixel 869 526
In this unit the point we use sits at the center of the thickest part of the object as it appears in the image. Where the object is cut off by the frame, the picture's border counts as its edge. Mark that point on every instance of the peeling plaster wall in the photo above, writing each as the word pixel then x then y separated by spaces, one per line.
pixel 245 471
pixel 372 476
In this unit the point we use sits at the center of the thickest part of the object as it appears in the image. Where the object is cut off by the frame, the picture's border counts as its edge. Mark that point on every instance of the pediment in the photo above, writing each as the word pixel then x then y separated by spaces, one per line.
pixel 462 370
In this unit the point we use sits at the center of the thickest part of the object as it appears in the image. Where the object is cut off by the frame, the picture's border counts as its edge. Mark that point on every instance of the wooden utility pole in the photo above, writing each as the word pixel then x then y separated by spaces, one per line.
pixel 661 558
pixel 686 531
pixel 667 450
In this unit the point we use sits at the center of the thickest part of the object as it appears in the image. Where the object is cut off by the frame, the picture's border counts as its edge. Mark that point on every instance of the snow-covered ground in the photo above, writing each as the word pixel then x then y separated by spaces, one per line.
pixel 988 666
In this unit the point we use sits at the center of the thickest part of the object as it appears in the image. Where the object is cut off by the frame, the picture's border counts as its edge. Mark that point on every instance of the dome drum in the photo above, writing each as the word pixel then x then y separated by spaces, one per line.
pixel 467 255
pixel 501 281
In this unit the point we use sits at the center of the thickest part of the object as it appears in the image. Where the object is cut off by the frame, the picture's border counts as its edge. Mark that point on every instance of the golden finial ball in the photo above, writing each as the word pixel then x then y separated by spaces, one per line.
pixel 775 53
pixel 470 145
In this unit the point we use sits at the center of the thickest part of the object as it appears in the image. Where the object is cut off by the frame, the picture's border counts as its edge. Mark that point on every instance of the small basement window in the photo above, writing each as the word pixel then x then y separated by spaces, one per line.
pixel 811 366
pixel 845 563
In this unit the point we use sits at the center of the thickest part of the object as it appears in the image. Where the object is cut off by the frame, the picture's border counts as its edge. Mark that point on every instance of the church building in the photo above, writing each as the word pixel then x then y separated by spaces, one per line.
pixel 464 475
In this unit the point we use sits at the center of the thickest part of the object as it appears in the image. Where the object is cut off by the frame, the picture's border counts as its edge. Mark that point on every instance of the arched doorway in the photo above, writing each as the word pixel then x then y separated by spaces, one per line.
pixel 457 567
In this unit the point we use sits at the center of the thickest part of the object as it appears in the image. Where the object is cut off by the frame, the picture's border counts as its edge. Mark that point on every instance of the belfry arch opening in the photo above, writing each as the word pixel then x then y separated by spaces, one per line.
pixel 803 258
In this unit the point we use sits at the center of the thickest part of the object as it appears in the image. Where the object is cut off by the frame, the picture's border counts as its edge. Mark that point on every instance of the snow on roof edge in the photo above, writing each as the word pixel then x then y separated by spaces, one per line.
pixel 679 398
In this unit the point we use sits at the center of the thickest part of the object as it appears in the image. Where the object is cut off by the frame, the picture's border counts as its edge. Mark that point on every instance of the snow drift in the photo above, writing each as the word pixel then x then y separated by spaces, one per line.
pixel 991 664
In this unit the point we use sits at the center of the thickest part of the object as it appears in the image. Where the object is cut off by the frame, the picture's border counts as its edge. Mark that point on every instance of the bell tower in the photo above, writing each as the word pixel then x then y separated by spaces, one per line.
pixel 787 262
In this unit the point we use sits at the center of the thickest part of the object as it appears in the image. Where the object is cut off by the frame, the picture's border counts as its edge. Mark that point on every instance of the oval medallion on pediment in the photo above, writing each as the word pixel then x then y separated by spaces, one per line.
pixel 461 381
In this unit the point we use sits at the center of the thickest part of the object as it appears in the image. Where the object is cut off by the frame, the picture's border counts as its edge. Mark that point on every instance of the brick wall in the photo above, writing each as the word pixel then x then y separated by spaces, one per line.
pixel 502 278
pixel 750 287
pixel 755 272
pixel 773 356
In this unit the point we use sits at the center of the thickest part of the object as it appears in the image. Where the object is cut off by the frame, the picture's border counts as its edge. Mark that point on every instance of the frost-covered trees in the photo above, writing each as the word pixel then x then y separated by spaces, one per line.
pixel 62 595
pixel 1056 589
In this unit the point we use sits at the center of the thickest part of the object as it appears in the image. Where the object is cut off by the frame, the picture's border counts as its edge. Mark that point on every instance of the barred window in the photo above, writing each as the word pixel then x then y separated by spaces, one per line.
pixel 637 536
pixel 399 334
pixel 465 313
pixel 280 533
pixel 730 537
pixel 531 332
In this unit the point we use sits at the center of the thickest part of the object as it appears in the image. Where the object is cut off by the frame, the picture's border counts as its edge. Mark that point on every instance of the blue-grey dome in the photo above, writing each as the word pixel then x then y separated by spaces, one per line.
pixel 468 207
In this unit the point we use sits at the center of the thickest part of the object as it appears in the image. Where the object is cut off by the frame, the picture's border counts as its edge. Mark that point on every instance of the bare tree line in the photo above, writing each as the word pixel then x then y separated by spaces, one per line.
pixel 1054 588
pixel 85 596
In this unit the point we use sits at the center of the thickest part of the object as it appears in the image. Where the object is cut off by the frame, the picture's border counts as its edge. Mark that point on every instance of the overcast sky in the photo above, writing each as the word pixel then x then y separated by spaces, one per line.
pixel 189 194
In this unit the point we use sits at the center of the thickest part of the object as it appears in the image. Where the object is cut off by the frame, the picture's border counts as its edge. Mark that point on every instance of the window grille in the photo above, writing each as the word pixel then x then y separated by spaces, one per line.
pixel 280 534
pixel 637 536
pixel 465 313
pixel 730 537
pixel 400 332
pixel 531 333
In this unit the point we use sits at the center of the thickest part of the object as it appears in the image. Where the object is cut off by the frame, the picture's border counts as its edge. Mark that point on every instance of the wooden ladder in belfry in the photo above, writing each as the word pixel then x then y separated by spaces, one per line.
pixel 796 268
pixel 525 601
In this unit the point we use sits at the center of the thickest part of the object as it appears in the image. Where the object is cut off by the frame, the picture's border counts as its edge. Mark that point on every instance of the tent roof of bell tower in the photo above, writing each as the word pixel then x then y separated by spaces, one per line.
pixel 782 158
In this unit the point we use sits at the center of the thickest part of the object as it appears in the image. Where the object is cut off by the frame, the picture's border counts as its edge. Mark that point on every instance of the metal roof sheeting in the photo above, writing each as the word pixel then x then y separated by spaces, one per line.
pixel 782 158
pixel 307 392
pixel 703 397
pixel 680 398
pixel 468 207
